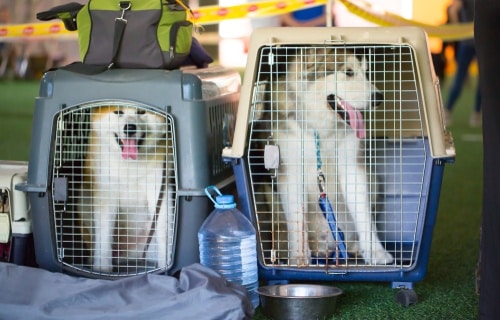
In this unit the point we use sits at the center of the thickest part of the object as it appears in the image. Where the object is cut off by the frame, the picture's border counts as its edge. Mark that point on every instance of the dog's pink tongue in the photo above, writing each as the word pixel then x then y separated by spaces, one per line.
pixel 129 149
pixel 356 119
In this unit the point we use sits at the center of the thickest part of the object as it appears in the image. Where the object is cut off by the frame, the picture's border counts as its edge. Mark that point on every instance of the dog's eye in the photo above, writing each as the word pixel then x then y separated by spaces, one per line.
pixel 141 112
pixel 118 112
pixel 349 72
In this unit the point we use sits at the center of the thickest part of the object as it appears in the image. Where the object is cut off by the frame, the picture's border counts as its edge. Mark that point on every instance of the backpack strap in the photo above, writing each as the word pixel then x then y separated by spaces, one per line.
pixel 120 24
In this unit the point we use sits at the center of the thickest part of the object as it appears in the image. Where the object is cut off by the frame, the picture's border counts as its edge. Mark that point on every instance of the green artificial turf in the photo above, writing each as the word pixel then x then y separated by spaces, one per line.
pixel 16 114
pixel 448 289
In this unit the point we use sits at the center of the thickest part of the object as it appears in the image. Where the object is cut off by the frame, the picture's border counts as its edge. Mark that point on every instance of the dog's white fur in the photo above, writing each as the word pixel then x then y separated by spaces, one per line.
pixel 120 192
pixel 300 97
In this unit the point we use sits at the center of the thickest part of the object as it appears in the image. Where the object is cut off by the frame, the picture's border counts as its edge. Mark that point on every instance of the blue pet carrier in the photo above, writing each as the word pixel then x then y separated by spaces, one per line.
pixel 298 127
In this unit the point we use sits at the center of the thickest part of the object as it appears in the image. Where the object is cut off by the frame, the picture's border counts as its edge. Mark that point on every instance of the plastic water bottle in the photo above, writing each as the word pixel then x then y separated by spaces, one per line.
pixel 227 242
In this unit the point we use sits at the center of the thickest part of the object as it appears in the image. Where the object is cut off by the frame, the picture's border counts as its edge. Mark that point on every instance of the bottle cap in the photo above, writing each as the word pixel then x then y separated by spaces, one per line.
pixel 225 202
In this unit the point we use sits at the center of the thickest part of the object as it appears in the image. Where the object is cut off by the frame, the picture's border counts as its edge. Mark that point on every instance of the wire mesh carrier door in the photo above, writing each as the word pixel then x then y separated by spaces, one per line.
pixel 340 155
pixel 114 188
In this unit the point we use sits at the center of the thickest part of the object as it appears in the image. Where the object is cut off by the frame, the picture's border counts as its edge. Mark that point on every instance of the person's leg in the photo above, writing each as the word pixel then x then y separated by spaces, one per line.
pixel 464 58
pixel 486 29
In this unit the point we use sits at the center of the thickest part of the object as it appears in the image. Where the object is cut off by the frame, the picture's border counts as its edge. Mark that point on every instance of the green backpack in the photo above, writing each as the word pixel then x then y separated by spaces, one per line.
pixel 129 34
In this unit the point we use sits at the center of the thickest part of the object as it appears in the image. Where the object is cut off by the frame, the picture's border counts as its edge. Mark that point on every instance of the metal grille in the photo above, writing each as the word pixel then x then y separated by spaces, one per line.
pixel 114 188
pixel 337 127
pixel 221 125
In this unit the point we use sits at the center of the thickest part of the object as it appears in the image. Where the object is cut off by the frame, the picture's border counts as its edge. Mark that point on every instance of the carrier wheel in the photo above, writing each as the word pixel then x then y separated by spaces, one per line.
pixel 406 297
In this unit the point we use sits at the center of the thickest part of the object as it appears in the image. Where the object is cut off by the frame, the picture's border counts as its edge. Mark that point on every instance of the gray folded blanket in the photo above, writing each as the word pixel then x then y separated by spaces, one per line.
pixel 198 293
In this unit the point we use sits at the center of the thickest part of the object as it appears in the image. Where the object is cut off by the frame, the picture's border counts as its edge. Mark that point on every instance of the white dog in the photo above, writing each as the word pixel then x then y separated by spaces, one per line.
pixel 322 94
pixel 124 191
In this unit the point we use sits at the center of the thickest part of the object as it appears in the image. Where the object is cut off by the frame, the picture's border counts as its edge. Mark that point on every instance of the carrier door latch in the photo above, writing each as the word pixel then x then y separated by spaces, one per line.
pixel 60 188
pixel 271 156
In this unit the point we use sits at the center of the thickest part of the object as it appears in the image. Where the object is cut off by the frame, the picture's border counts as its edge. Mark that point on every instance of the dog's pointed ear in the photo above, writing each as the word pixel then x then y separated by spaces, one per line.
pixel 364 62
pixel 316 61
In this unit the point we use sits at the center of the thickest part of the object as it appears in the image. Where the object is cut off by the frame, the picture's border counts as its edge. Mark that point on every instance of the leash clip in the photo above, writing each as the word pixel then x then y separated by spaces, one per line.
pixel 321 182
pixel 124 6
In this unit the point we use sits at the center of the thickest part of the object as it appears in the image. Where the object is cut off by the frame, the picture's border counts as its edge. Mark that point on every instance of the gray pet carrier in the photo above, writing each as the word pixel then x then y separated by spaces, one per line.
pixel 339 152
pixel 118 166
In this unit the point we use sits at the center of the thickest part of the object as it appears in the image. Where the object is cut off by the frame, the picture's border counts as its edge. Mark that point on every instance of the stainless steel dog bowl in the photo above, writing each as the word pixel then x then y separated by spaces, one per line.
pixel 298 301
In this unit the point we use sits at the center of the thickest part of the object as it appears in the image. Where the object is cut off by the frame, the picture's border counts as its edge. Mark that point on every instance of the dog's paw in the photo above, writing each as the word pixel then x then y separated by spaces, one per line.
pixel 378 257
pixel 299 258
pixel 103 269
pixel 101 265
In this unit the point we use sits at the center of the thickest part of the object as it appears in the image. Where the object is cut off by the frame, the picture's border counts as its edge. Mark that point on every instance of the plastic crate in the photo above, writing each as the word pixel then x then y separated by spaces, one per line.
pixel 182 120
pixel 16 237
pixel 279 148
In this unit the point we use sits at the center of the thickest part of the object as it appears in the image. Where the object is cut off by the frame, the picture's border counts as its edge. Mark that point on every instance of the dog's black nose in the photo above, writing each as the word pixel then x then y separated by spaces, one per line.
pixel 377 99
pixel 130 129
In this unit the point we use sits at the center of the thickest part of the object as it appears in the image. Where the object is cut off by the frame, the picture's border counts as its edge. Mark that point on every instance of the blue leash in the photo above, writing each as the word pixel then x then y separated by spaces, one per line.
pixel 326 206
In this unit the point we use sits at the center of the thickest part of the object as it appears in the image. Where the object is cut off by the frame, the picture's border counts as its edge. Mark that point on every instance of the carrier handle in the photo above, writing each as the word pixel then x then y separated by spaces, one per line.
pixel 210 195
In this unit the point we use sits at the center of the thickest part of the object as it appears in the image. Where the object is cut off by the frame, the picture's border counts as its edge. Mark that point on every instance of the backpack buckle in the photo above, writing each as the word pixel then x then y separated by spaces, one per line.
pixel 124 6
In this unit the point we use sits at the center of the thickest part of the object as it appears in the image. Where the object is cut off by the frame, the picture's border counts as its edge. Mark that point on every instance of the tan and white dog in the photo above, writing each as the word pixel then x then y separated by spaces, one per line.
pixel 323 92
pixel 124 169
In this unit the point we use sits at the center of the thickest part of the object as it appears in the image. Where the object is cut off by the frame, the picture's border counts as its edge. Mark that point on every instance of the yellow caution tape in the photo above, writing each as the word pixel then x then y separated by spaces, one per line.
pixel 260 9
pixel 33 29
pixel 450 32
pixel 215 14
pixel 201 16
